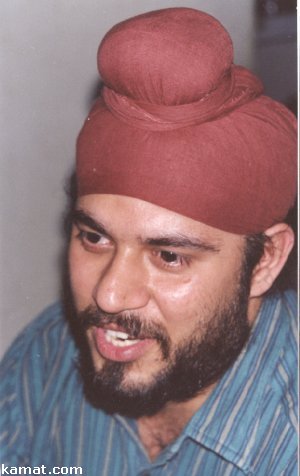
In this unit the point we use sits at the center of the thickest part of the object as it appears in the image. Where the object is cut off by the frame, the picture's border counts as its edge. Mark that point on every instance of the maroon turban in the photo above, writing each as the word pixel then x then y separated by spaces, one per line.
pixel 180 126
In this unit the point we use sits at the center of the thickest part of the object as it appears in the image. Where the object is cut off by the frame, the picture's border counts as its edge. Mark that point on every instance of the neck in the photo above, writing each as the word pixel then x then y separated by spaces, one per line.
pixel 159 430
pixel 253 308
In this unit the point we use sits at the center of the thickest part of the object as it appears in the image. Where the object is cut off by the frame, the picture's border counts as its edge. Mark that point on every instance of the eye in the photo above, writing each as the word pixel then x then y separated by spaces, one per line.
pixel 92 240
pixel 169 256
pixel 172 260
pixel 91 236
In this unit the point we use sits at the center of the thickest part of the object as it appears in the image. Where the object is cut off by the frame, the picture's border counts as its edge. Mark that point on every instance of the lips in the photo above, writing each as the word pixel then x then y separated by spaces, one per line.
pixel 115 344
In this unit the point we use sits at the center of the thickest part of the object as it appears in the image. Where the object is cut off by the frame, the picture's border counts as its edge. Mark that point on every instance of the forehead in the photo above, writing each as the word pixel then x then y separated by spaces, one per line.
pixel 134 217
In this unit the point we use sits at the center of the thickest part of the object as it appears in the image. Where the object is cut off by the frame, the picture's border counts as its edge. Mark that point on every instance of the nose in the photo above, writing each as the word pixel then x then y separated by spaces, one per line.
pixel 122 285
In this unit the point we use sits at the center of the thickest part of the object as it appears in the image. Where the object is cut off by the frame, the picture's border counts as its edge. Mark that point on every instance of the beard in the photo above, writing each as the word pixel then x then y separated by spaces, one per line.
pixel 188 368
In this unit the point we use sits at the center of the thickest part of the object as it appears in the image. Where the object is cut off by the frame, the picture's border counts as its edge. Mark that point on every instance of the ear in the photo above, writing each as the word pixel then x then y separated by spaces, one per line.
pixel 276 251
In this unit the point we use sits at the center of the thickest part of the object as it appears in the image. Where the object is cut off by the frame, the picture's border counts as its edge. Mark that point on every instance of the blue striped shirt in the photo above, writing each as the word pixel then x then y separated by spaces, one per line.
pixel 246 427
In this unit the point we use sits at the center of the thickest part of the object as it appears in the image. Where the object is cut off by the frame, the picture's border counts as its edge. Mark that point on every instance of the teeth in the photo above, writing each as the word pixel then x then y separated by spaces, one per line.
pixel 117 334
pixel 119 339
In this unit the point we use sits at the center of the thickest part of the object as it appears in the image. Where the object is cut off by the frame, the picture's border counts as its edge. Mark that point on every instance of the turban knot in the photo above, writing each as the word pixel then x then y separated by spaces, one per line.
pixel 237 87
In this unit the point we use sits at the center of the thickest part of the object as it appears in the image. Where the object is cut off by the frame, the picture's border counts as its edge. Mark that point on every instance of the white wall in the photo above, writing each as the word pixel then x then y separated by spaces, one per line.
pixel 48 77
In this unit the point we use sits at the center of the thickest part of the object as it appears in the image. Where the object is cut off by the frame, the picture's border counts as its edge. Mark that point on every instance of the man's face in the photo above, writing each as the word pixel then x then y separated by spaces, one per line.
pixel 162 298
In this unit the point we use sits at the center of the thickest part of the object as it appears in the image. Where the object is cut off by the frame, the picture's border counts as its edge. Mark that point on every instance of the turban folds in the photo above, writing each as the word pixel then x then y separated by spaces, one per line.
pixel 179 125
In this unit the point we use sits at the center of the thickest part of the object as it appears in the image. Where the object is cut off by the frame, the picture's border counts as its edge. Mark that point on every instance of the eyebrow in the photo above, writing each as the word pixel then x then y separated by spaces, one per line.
pixel 80 216
pixel 176 240
pixel 182 241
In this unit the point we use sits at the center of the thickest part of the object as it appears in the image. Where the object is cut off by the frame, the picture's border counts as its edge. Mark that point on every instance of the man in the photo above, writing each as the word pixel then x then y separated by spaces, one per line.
pixel 177 357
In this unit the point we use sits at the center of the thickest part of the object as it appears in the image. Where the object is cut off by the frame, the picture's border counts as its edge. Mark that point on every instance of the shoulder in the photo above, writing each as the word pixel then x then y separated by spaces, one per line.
pixel 51 318
pixel 285 323
pixel 285 372
pixel 280 326
pixel 38 342
pixel 278 318
pixel 279 405
pixel 45 344
pixel 290 303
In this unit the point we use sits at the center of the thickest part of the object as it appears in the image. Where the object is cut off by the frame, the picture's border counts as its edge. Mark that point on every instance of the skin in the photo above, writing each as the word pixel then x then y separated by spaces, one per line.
pixel 164 266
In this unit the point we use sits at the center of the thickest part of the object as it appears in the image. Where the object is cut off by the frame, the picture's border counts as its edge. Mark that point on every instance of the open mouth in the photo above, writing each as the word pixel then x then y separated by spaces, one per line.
pixel 119 339
pixel 116 344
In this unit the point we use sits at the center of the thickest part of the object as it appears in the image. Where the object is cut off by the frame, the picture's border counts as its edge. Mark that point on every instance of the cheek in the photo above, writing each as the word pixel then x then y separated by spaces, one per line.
pixel 194 299
pixel 180 303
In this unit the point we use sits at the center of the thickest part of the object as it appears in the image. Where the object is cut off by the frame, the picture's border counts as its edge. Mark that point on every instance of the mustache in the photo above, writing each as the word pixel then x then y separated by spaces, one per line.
pixel 131 323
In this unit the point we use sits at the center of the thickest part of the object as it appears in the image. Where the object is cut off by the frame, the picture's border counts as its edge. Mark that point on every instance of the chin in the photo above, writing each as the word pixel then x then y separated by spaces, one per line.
pixel 137 375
